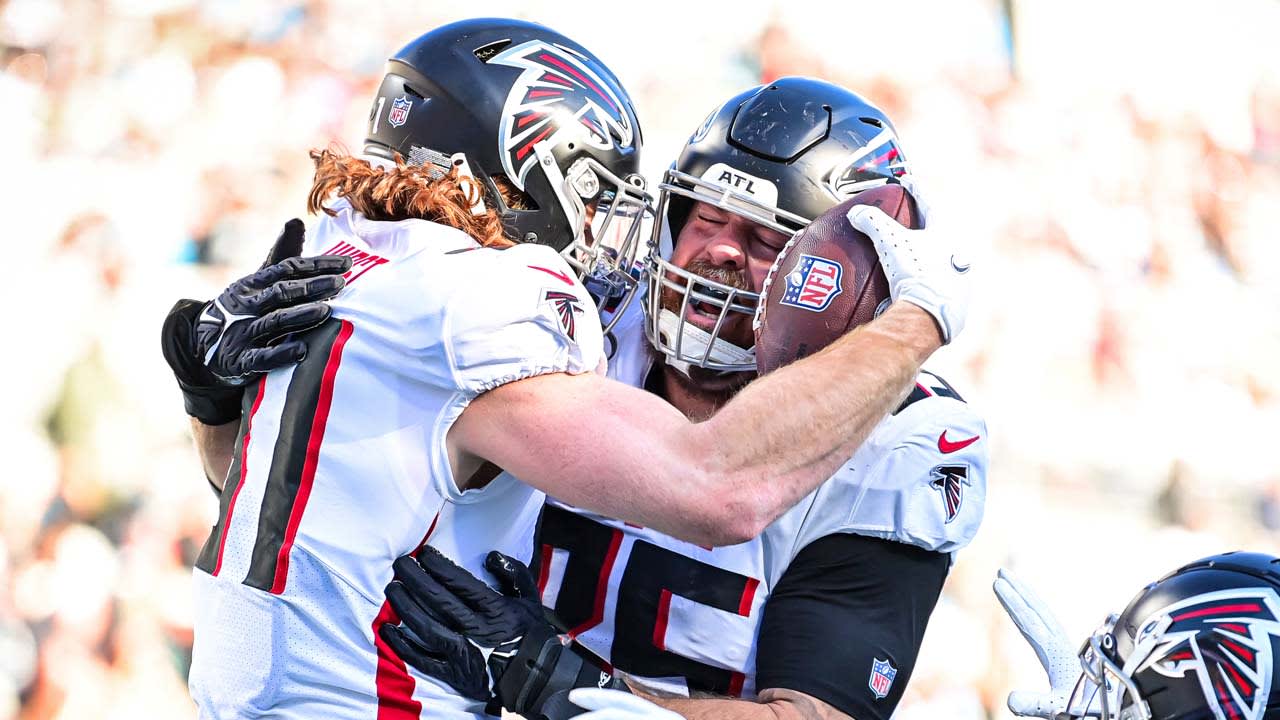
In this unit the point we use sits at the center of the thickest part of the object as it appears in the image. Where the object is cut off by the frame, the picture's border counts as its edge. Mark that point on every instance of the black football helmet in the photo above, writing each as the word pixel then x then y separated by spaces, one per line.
pixel 1198 644
pixel 778 154
pixel 509 99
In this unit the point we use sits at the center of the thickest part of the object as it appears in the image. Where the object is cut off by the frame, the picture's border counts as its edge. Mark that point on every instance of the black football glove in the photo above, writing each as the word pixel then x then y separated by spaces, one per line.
pixel 496 647
pixel 216 347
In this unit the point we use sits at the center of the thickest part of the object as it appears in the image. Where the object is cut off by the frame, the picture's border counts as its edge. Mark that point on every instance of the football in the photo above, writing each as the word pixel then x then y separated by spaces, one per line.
pixel 826 281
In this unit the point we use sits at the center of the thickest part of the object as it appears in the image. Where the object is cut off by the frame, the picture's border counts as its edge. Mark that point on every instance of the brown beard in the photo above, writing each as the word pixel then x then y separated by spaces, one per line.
pixel 737 327
pixel 671 298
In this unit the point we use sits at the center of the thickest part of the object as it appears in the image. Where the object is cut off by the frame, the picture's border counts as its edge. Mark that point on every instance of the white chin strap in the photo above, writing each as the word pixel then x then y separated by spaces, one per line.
pixel 693 343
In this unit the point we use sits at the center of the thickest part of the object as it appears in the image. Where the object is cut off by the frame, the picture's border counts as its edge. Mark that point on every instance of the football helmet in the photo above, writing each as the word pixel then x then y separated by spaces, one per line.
pixel 780 155
pixel 523 108
pixel 1198 644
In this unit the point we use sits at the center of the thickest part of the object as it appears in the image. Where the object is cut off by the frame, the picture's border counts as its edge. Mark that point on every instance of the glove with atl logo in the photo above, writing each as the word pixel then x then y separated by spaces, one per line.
pixel 497 647
pixel 215 347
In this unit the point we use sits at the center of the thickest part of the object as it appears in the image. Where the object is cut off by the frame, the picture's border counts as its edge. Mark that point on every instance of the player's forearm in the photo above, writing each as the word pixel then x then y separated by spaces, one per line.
pixel 785 433
pixel 215 445
pixel 770 705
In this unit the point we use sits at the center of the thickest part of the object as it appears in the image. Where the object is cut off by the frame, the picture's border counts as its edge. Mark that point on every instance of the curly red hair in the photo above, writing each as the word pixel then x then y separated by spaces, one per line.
pixel 402 192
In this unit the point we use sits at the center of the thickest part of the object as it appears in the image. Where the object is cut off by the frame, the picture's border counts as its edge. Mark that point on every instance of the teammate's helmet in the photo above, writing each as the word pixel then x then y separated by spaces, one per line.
pixel 1199 644
pixel 778 154
pixel 517 104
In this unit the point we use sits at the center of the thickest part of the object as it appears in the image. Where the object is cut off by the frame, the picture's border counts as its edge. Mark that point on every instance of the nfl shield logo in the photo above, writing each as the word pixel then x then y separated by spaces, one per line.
pixel 882 674
pixel 813 284
pixel 399 111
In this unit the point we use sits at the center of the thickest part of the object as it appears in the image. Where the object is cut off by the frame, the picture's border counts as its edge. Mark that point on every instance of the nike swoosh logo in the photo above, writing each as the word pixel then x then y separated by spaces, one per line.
pixel 553 273
pixel 946 446
pixel 958 267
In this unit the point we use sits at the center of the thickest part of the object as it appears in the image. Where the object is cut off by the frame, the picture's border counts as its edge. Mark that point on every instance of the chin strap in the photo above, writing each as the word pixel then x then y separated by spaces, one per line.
pixel 693 341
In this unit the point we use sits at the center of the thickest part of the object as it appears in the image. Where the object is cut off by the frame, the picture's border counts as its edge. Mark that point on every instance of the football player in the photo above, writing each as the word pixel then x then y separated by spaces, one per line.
pixel 822 615
pixel 451 363
pixel 1198 644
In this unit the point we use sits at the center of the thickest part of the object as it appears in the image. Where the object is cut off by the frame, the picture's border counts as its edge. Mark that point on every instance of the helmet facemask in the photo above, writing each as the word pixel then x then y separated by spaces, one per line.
pixel 1105 690
pixel 681 342
pixel 607 215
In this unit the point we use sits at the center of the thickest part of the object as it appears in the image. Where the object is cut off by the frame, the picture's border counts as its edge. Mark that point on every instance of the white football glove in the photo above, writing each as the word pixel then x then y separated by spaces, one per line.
pixel 923 267
pixel 1045 635
pixel 606 704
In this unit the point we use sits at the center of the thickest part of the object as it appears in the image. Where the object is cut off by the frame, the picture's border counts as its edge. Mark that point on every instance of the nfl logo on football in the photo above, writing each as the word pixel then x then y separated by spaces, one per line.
pixel 882 674
pixel 813 284
pixel 399 111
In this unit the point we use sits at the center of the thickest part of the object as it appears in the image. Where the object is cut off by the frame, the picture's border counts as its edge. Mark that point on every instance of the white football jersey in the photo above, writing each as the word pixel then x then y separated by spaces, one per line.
pixel 679 616
pixel 342 467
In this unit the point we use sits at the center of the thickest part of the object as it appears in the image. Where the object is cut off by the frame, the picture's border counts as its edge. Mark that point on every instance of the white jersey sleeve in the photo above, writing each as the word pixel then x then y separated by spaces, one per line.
pixel 530 317
pixel 525 314
pixel 920 479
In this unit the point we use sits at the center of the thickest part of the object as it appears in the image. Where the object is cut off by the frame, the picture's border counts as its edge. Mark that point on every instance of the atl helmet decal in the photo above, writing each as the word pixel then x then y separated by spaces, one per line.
pixel 950 481
pixel 858 171
pixel 557 90
pixel 566 305
pixel 1224 637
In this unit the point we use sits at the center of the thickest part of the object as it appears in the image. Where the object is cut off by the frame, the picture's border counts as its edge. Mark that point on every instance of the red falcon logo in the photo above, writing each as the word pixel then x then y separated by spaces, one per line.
pixel 566 305
pixel 558 90
pixel 1224 638
pixel 950 481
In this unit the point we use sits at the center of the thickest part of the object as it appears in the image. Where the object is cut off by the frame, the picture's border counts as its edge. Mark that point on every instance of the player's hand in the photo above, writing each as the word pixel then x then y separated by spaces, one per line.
pixel 605 704
pixel 237 333
pixel 924 268
pixel 1045 635
pixel 488 645
pixel 215 347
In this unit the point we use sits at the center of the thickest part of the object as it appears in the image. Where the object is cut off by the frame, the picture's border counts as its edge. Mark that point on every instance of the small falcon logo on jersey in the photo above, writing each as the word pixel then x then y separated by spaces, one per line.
pixel 868 166
pixel 399 113
pixel 882 674
pixel 813 284
pixel 950 480
pixel 566 306
pixel 558 90
pixel 1225 638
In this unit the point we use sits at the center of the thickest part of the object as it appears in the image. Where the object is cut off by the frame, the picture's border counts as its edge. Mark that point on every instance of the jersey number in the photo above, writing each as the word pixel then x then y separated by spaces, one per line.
pixel 652 576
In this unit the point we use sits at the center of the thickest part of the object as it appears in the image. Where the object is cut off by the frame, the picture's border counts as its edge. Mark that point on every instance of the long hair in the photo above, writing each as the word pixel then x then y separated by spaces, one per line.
pixel 403 192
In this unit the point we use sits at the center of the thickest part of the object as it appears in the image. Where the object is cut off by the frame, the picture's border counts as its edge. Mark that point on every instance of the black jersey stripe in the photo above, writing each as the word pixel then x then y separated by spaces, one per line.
pixel 288 486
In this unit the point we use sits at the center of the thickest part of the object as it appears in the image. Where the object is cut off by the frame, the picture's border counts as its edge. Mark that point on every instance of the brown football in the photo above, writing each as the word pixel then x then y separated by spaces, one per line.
pixel 826 281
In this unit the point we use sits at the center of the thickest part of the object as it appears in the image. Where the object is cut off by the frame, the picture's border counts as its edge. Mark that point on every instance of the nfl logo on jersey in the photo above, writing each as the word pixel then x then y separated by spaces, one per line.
pixel 882 674
pixel 813 284
pixel 399 111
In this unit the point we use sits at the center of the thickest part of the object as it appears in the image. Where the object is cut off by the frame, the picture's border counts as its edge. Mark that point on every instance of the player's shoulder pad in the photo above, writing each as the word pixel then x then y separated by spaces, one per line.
pixel 522 312
pixel 920 478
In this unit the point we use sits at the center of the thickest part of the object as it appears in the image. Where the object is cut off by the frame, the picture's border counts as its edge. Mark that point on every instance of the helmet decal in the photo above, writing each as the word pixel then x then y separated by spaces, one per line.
pixel 871 162
pixel 1225 638
pixel 557 90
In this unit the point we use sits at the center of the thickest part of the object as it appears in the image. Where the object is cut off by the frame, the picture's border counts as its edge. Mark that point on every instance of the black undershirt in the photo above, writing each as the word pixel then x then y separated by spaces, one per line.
pixel 845 602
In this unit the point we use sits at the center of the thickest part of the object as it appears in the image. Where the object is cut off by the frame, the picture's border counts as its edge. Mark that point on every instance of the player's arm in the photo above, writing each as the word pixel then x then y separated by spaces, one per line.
pixel 769 705
pixel 215 445
pixel 716 482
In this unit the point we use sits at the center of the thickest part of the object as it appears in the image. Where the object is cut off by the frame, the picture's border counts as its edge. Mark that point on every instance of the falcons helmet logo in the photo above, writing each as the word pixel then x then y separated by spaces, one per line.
pixel 1223 637
pixel 867 166
pixel 557 90
pixel 566 305
pixel 950 481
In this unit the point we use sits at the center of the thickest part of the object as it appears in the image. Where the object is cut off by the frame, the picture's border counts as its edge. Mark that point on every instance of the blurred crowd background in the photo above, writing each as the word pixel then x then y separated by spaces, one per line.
pixel 1121 184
